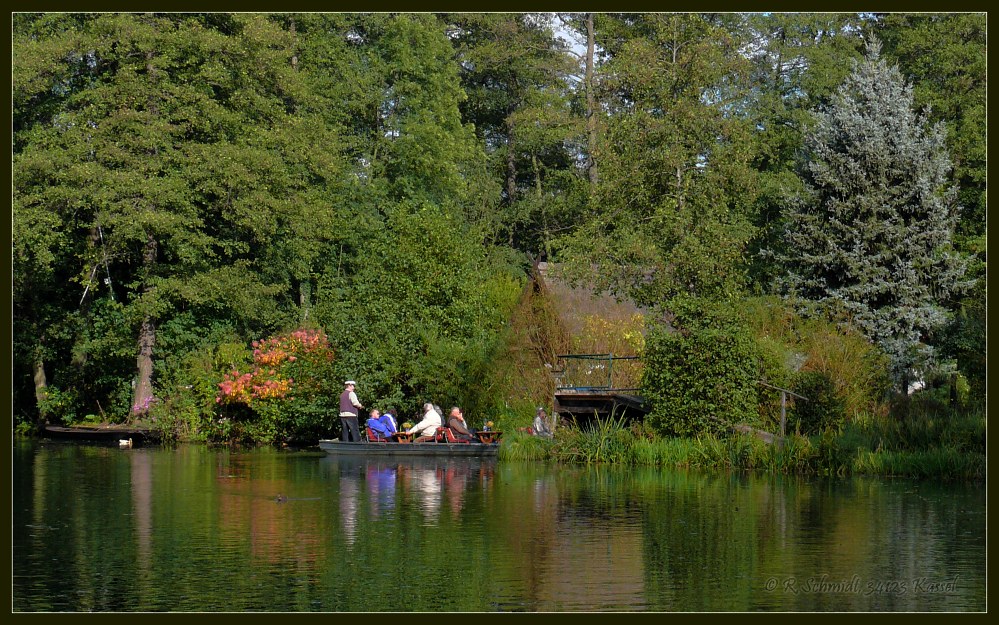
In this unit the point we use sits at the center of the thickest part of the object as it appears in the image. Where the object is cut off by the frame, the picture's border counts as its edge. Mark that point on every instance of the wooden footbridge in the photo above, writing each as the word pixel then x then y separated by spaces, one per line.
pixel 585 389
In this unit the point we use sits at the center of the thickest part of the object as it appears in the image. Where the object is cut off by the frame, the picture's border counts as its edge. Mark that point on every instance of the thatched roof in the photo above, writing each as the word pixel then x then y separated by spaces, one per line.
pixel 575 303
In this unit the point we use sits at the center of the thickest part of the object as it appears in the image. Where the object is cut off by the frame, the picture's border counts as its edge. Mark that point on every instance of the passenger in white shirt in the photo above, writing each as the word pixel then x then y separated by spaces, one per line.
pixel 428 426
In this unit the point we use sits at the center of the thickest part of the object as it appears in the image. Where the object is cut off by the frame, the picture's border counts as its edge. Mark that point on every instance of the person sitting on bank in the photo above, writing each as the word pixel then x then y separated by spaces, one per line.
pixel 376 425
pixel 389 422
pixel 428 426
pixel 456 421
pixel 541 426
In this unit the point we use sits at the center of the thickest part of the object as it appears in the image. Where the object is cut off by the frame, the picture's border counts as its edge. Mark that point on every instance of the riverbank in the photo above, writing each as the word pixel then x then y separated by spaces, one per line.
pixel 950 449
pixel 945 445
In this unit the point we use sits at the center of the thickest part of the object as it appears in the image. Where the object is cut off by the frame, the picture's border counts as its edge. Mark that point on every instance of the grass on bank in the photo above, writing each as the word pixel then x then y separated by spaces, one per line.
pixel 920 446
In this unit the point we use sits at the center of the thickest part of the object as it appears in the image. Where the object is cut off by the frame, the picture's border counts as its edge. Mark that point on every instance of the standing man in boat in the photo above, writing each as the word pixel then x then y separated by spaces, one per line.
pixel 349 405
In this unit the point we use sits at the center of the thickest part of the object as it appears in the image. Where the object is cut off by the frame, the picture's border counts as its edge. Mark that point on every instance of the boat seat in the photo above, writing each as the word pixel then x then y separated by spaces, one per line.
pixel 447 435
pixel 374 438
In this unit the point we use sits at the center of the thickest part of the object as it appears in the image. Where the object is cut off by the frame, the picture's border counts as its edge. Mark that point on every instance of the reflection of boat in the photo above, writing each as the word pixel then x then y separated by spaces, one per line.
pixel 338 447
pixel 430 483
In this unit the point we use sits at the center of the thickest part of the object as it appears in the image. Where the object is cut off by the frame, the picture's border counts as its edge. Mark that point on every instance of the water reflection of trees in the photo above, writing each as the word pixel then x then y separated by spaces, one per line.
pixel 137 530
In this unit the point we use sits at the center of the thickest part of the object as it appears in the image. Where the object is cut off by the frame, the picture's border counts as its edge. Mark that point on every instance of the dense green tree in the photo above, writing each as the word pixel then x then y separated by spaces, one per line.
pixel 944 56
pixel 417 301
pixel 670 215
pixel 165 140
pixel 798 60
pixel 516 73
pixel 871 239
pixel 704 377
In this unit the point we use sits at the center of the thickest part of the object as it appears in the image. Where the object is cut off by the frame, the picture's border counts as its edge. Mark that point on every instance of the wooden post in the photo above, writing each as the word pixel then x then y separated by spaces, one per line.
pixel 783 412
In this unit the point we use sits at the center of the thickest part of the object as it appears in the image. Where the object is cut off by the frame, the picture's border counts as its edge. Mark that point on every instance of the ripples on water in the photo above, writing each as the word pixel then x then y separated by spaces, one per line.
pixel 196 530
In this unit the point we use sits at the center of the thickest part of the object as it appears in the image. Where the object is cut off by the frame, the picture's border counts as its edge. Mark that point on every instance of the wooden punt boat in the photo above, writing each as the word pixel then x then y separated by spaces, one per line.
pixel 338 447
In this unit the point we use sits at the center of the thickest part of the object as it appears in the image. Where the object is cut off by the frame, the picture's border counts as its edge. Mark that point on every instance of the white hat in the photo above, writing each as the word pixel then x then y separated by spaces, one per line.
pixel 350 383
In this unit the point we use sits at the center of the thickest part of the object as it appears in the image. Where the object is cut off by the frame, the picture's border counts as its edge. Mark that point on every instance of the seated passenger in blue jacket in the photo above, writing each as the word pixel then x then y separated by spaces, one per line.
pixel 376 425
pixel 388 419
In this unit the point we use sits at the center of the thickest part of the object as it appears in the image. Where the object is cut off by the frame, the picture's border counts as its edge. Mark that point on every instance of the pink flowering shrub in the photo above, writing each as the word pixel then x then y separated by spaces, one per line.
pixel 287 389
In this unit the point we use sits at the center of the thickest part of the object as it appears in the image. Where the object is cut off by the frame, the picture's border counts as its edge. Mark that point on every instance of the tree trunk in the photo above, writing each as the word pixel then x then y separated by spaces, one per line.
pixel 591 112
pixel 143 392
pixel 41 386
pixel 511 163
pixel 545 235
pixel 511 172
pixel 294 49
pixel 305 297
pixel 79 358
pixel 147 337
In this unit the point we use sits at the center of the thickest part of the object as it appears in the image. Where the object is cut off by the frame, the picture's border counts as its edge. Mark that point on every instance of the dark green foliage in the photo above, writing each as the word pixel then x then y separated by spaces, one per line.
pixel 387 176
pixel 822 409
pixel 669 217
pixel 943 55
pixel 703 376
pixel 798 60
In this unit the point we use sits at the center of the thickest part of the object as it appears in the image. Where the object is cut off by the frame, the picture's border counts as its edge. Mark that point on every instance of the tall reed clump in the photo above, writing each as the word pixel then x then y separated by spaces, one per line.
pixel 938 462
pixel 675 453
pixel 523 447
pixel 921 445
pixel 604 441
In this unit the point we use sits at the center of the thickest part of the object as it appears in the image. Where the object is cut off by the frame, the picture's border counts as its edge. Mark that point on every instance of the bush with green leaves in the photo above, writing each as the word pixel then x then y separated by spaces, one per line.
pixel 857 368
pixel 702 375
pixel 824 407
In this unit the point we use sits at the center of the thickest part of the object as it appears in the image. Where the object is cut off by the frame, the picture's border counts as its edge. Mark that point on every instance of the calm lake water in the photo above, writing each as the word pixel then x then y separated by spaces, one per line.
pixel 192 529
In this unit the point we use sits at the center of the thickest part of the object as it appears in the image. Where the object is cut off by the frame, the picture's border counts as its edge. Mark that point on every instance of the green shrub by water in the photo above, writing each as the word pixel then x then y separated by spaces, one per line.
pixel 948 446
pixel 823 409
pixel 704 376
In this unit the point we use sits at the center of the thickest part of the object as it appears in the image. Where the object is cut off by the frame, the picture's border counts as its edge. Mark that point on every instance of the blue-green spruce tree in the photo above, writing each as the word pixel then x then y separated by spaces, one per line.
pixel 870 238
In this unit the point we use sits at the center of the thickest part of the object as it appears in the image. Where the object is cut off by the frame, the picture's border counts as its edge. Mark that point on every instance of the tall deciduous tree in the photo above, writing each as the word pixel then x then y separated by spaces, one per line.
pixel 798 61
pixel 670 213
pixel 871 239
pixel 170 137
pixel 515 72
pixel 413 301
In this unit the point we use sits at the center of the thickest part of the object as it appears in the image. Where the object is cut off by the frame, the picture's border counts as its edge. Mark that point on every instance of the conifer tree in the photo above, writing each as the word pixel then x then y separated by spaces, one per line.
pixel 870 239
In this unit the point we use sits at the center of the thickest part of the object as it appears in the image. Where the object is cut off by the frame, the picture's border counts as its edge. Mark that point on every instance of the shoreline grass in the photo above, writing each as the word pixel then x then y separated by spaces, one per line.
pixel 951 448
